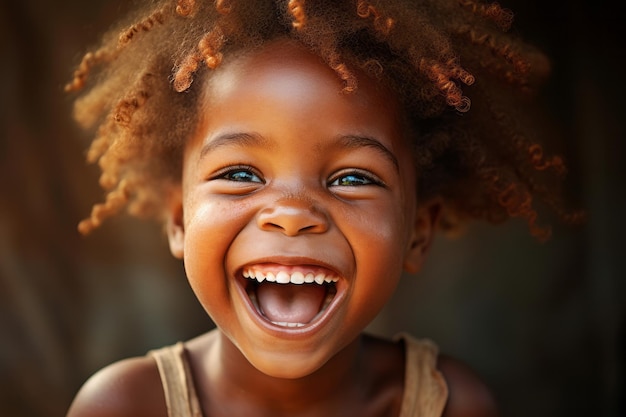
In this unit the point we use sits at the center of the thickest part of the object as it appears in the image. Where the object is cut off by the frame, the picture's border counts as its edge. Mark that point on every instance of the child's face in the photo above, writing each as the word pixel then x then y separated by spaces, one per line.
pixel 291 178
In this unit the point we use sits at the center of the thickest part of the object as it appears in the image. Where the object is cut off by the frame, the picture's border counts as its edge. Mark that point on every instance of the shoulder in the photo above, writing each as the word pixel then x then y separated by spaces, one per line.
pixel 131 387
pixel 469 396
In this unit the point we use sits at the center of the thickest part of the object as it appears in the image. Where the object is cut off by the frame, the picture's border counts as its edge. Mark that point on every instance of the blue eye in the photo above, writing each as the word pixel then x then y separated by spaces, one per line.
pixel 354 179
pixel 240 175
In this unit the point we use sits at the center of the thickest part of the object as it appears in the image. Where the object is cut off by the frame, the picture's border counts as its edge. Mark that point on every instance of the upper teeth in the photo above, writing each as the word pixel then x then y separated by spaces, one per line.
pixel 282 277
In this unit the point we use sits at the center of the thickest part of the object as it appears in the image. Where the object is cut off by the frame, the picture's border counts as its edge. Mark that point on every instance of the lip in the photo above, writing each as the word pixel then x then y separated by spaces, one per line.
pixel 293 261
pixel 289 263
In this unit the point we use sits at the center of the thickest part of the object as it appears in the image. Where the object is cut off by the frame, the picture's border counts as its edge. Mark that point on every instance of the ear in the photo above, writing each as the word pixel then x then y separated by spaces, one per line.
pixel 174 223
pixel 426 218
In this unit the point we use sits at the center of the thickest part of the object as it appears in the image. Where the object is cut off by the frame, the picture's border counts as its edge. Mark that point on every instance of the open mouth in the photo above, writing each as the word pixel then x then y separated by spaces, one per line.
pixel 290 299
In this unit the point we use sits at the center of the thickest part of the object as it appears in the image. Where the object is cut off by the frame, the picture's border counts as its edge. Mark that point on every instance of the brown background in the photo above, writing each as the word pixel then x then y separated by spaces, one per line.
pixel 544 324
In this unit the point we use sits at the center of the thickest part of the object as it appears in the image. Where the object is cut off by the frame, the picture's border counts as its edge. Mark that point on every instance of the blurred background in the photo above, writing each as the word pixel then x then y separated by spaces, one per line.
pixel 542 323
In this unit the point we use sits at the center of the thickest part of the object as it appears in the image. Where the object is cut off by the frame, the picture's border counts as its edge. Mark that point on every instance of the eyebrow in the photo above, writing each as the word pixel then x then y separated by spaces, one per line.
pixel 236 139
pixel 257 140
pixel 357 141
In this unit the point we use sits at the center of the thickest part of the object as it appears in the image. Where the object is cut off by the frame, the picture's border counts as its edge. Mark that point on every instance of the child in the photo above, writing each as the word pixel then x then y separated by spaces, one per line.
pixel 301 154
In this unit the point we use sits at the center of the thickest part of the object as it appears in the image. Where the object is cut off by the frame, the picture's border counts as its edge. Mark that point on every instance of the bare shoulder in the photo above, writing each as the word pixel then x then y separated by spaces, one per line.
pixel 469 396
pixel 131 387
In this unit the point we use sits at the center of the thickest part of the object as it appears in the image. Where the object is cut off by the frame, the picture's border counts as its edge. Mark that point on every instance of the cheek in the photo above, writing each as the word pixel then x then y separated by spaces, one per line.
pixel 212 222
pixel 379 251
pixel 210 228
pixel 379 271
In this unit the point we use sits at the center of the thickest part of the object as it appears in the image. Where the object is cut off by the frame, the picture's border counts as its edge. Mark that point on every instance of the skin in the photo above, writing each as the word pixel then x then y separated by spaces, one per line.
pixel 286 173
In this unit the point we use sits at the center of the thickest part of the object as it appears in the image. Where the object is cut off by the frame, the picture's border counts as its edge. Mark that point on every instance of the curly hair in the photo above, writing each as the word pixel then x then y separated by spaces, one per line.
pixel 141 91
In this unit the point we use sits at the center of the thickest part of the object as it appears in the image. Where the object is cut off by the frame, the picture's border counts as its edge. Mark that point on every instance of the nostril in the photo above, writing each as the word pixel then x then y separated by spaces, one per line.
pixel 290 229
pixel 273 226
pixel 310 228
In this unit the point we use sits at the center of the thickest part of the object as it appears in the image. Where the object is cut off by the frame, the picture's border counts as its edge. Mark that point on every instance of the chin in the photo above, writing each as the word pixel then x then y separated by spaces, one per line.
pixel 285 368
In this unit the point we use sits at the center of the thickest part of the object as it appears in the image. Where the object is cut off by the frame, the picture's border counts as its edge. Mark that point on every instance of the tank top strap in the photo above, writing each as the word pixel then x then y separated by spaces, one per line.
pixel 425 389
pixel 177 380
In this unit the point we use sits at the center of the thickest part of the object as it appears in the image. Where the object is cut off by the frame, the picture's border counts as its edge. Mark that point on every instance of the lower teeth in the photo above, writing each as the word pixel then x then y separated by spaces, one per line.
pixel 287 324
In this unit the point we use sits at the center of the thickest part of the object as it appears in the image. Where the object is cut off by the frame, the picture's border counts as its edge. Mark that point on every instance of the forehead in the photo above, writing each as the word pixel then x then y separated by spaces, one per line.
pixel 294 101
pixel 285 70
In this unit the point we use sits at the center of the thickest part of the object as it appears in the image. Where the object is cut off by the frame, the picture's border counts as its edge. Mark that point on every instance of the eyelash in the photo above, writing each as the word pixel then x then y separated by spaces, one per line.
pixel 228 173
pixel 363 177
pixel 369 179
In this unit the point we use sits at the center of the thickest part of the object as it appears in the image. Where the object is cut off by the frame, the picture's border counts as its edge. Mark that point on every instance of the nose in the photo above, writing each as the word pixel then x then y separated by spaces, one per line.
pixel 292 216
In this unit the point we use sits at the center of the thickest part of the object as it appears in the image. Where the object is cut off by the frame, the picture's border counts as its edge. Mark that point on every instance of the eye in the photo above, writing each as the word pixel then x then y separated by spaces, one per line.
pixel 355 179
pixel 238 174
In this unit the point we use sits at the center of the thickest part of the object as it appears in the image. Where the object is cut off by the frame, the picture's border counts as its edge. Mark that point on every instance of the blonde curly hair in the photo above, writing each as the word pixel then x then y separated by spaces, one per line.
pixel 140 90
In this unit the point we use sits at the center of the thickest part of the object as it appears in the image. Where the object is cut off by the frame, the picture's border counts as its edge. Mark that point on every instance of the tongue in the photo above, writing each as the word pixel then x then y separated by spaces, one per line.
pixel 290 303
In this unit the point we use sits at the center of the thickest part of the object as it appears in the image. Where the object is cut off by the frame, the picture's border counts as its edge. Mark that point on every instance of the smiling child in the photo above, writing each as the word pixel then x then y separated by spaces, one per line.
pixel 301 155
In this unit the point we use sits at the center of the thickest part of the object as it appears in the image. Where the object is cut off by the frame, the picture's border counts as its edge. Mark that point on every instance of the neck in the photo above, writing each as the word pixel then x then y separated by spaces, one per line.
pixel 236 381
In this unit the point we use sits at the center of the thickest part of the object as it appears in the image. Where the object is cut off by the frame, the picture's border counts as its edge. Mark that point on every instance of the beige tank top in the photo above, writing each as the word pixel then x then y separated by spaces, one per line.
pixel 425 390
